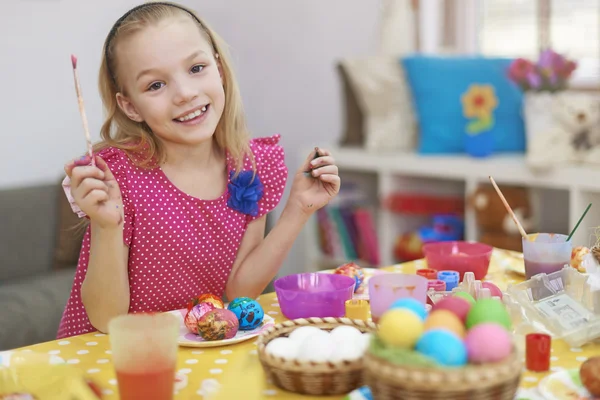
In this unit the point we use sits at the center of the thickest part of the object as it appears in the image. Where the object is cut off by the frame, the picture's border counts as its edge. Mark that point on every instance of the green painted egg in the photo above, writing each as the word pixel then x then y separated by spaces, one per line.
pixel 488 310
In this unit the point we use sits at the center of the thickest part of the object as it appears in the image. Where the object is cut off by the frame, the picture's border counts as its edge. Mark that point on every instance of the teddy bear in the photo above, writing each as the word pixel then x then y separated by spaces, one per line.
pixel 495 225
pixel 570 132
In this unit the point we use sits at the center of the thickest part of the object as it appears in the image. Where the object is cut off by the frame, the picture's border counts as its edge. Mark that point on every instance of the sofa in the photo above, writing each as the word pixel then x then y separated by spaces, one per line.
pixel 40 240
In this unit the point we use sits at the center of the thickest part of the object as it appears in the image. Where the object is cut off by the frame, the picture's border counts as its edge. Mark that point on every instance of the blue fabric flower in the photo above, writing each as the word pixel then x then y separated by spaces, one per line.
pixel 245 191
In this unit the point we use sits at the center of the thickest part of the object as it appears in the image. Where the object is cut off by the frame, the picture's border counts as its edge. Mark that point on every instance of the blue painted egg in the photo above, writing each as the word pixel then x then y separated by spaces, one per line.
pixel 249 313
pixel 411 304
pixel 444 347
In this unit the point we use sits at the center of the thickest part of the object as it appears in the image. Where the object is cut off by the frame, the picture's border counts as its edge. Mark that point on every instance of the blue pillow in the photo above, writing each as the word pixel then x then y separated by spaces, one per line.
pixel 440 84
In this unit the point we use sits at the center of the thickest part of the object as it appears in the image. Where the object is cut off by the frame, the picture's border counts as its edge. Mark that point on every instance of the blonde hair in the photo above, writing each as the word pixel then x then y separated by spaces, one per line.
pixel 119 131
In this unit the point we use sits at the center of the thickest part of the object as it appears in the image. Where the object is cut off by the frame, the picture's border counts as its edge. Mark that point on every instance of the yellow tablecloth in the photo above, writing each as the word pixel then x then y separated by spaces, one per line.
pixel 237 368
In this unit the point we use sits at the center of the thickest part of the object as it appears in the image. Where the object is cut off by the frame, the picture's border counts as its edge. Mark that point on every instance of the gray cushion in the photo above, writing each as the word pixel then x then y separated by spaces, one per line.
pixel 31 309
pixel 27 230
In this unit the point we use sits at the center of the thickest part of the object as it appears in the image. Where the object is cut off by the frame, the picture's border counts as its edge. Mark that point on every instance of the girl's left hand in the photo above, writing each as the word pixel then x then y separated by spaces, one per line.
pixel 316 182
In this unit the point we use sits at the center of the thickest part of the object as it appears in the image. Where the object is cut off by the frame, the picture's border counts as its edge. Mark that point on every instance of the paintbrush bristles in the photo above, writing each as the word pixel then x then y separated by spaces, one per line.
pixel 82 110
pixel 510 211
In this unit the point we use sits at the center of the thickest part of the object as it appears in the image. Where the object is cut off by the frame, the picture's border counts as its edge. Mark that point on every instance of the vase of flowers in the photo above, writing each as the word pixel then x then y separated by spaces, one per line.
pixel 541 82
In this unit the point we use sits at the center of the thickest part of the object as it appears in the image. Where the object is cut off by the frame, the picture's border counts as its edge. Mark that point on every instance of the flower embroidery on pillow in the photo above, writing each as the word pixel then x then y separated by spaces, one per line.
pixel 245 191
pixel 479 103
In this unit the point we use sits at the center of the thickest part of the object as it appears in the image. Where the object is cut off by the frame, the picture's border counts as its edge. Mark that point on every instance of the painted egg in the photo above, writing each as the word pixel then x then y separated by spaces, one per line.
pixel 352 270
pixel 447 320
pixel 444 347
pixel 248 312
pixel 456 305
pixel 400 328
pixel 193 316
pixel 488 310
pixel 218 324
pixel 494 290
pixel 487 343
pixel 577 256
pixel 206 298
pixel 589 372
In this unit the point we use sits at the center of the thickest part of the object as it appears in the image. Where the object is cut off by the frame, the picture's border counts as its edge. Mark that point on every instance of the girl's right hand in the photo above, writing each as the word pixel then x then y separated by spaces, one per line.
pixel 96 191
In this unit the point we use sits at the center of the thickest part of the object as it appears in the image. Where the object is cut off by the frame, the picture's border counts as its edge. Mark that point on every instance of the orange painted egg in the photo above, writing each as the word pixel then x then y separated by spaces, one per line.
pixel 446 320
pixel 208 298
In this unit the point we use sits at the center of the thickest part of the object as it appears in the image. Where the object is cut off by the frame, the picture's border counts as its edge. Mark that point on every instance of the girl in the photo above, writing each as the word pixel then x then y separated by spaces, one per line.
pixel 178 196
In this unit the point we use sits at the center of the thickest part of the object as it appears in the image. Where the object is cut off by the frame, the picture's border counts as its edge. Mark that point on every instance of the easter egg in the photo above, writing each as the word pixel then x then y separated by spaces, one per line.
pixel 248 312
pixel 400 327
pixel 488 343
pixel 206 298
pixel 589 373
pixel 465 296
pixel 444 319
pixel 193 316
pixel 488 310
pixel 410 304
pixel 456 305
pixel 352 270
pixel 218 324
pixel 494 290
pixel 444 347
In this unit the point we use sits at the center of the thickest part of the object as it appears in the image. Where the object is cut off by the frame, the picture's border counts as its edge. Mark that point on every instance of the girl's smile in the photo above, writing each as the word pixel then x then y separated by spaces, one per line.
pixel 193 117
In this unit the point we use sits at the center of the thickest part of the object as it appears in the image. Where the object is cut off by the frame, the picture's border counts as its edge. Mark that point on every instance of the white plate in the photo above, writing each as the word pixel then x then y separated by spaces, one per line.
pixel 188 339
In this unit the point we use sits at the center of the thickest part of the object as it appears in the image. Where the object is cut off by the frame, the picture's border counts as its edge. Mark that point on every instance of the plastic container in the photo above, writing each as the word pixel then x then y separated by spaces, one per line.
pixel 459 256
pixel 386 288
pixel 561 304
pixel 427 273
pixel 545 253
pixel 314 294
pixel 144 354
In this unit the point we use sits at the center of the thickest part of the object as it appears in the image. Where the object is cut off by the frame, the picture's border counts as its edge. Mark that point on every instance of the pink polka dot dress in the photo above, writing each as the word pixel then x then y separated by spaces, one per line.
pixel 179 246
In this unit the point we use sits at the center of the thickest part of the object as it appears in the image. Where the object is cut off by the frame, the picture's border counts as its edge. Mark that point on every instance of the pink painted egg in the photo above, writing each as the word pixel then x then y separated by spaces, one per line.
pixel 218 324
pixel 488 343
pixel 494 290
pixel 194 314
pixel 456 305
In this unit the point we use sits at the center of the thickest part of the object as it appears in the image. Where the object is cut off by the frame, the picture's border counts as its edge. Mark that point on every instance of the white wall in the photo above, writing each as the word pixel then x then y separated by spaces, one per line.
pixel 284 53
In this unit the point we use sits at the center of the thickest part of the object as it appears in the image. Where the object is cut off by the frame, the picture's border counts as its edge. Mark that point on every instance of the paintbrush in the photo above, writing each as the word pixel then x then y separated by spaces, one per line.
pixel 510 211
pixel 310 168
pixel 82 110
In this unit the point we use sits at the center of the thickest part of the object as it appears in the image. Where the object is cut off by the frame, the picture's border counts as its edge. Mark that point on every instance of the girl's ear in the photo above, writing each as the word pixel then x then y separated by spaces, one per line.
pixel 128 108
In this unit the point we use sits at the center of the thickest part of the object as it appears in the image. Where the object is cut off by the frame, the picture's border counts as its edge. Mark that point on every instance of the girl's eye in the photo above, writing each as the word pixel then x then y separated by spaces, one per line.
pixel 155 86
pixel 197 68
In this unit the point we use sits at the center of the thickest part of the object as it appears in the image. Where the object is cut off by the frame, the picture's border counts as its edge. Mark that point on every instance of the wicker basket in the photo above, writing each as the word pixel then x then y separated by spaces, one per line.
pixel 312 378
pixel 499 381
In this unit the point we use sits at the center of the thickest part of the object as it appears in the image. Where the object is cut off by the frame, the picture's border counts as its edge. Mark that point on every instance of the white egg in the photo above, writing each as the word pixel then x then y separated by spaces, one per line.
pixel 364 341
pixel 316 347
pixel 346 352
pixel 301 333
pixel 283 347
pixel 345 332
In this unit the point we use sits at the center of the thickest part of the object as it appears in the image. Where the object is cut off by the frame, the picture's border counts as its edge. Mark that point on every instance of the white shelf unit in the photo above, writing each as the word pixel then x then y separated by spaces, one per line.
pixel 559 197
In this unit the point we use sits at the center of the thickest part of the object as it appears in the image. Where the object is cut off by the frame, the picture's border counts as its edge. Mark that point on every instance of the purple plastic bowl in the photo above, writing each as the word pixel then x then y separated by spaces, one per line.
pixel 314 294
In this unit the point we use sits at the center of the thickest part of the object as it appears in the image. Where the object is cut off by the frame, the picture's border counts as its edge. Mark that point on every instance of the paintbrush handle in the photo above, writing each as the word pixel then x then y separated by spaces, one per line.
pixel 86 128
pixel 510 211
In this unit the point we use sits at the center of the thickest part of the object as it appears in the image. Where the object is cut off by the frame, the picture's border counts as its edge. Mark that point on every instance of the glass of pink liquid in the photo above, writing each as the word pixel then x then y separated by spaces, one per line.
pixel 386 288
pixel 144 351
pixel 545 253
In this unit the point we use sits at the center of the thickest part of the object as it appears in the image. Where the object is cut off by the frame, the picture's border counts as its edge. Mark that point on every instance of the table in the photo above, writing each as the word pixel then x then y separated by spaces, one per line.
pixel 201 370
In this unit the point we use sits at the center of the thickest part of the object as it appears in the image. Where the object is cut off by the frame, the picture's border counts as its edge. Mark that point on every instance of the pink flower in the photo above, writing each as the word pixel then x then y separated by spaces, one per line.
pixel 520 69
pixel 567 69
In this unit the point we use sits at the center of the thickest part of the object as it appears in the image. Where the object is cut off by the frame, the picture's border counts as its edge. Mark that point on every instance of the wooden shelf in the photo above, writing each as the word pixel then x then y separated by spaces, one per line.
pixel 559 196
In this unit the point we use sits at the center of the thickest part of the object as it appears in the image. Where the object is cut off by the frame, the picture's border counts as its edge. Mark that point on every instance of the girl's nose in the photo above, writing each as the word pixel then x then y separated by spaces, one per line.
pixel 184 92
